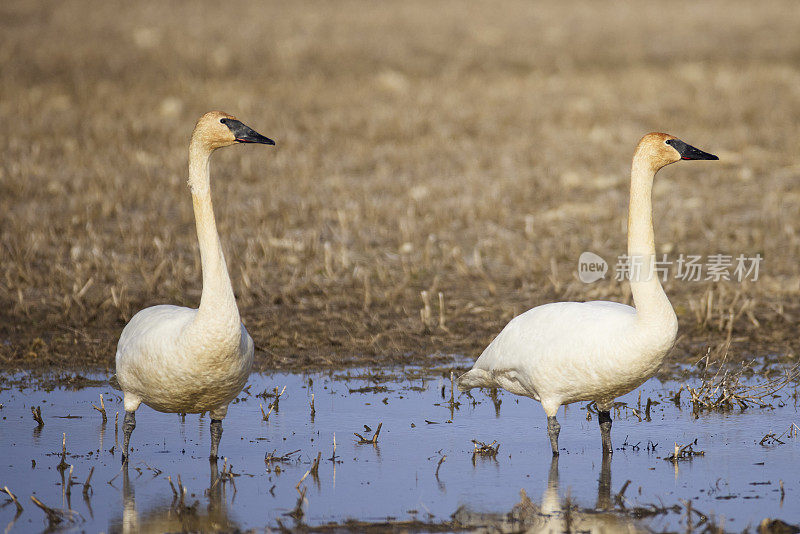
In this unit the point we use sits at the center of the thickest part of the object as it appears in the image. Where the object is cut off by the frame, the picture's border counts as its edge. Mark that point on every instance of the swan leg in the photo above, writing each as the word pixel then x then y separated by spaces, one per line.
pixel 604 485
pixel 552 475
pixel 127 428
pixel 553 428
pixel 605 430
pixel 216 434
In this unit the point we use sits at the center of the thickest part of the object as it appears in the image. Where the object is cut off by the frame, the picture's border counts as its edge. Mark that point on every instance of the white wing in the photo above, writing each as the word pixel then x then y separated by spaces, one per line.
pixel 567 351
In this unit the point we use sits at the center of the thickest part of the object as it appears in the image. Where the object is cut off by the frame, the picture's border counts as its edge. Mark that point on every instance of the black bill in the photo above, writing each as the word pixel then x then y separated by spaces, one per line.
pixel 245 134
pixel 688 151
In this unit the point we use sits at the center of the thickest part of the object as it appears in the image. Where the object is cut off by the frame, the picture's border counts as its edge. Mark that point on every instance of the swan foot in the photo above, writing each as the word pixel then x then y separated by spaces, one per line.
pixel 605 431
pixel 128 424
pixel 216 434
pixel 553 428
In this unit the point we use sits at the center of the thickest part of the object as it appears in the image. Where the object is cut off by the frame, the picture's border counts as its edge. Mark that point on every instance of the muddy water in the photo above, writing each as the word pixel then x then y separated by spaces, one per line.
pixel 736 483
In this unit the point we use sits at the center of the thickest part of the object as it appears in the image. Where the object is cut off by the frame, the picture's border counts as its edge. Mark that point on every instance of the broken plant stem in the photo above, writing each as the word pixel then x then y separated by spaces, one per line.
pixel 315 466
pixel 265 416
pixel 62 465
pixel 439 465
pixel 297 486
pixel 101 409
pixel 482 449
pixel 13 498
pixel 373 440
pixel 685 452
pixel 54 516
pixel 37 415
pixel 87 485
pixel 333 456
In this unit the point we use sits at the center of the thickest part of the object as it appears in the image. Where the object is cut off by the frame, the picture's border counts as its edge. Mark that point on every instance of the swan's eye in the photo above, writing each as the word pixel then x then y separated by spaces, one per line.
pixel 223 121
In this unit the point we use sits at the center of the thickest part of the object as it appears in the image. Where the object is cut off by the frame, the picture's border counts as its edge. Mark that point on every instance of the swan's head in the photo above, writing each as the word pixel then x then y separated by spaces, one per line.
pixel 216 129
pixel 661 149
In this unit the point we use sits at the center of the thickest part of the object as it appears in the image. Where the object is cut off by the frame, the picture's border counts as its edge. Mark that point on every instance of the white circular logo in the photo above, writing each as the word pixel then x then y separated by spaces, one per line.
pixel 591 267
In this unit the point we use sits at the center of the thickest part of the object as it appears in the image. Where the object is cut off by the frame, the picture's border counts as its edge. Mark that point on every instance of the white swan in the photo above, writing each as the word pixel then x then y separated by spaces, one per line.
pixel 566 352
pixel 177 359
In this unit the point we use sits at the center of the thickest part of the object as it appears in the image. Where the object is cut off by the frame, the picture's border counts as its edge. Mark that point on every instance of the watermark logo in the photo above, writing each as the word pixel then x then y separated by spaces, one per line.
pixel 591 267
pixel 686 267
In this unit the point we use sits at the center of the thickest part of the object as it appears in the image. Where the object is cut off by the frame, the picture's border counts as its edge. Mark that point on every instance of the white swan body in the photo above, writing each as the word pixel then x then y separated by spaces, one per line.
pixel 566 352
pixel 570 346
pixel 177 359
pixel 196 376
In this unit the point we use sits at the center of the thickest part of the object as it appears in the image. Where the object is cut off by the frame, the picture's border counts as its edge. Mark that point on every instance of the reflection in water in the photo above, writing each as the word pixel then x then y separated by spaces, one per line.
pixel 178 515
pixel 555 514
pixel 410 472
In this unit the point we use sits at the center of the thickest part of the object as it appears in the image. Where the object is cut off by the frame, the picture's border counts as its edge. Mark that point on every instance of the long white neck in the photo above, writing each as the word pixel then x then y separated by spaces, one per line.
pixel 652 304
pixel 217 314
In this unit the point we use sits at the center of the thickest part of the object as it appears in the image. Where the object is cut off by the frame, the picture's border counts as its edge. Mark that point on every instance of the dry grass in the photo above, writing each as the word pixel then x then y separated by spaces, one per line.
pixel 468 149
pixel 725 388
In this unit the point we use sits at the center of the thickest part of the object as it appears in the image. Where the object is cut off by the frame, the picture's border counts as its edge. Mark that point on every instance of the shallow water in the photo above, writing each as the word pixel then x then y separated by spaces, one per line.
pixel 737 480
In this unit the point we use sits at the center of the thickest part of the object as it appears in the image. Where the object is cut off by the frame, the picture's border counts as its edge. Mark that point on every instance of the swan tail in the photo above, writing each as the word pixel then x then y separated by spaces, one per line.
pixel 475 378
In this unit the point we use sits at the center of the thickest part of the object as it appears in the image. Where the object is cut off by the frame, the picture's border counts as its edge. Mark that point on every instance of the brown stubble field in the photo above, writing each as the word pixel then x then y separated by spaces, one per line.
pixel 469 148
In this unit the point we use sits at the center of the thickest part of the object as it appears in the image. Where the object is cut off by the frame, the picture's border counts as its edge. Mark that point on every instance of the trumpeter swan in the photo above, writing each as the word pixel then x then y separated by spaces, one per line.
pixel 177 359
pixel 565 352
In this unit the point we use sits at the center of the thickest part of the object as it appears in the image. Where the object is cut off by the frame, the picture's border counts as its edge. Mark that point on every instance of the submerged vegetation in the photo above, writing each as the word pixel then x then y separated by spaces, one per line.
pixel 416 442
pixel 724 387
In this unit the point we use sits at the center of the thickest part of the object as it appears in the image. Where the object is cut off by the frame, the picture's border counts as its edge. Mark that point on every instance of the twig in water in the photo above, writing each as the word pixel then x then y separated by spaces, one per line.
pixel 62 465
pixel 297 486
pixel 171 485
pixel 333 456
pixel 689 510
pixel 87 485
pixel 55 516
pixel 685 452
pixel 453 403
pixel 225 476
pixel 373 440
pixel 37 415
pixel 265 416
pixel 724 390
pixel 156 471
pixel 274 395
pixel 650 403
pixel 102 408
pixel 277 397
pixel 620 497
pixel 676 398
pixel 441 460
pixel 68 484
pixel 19 506
pixel 482 449
pixel 772 439
pixel 313 409
pixel 270 458
pixel 297 512
pixel 315 466
pixel 181 490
